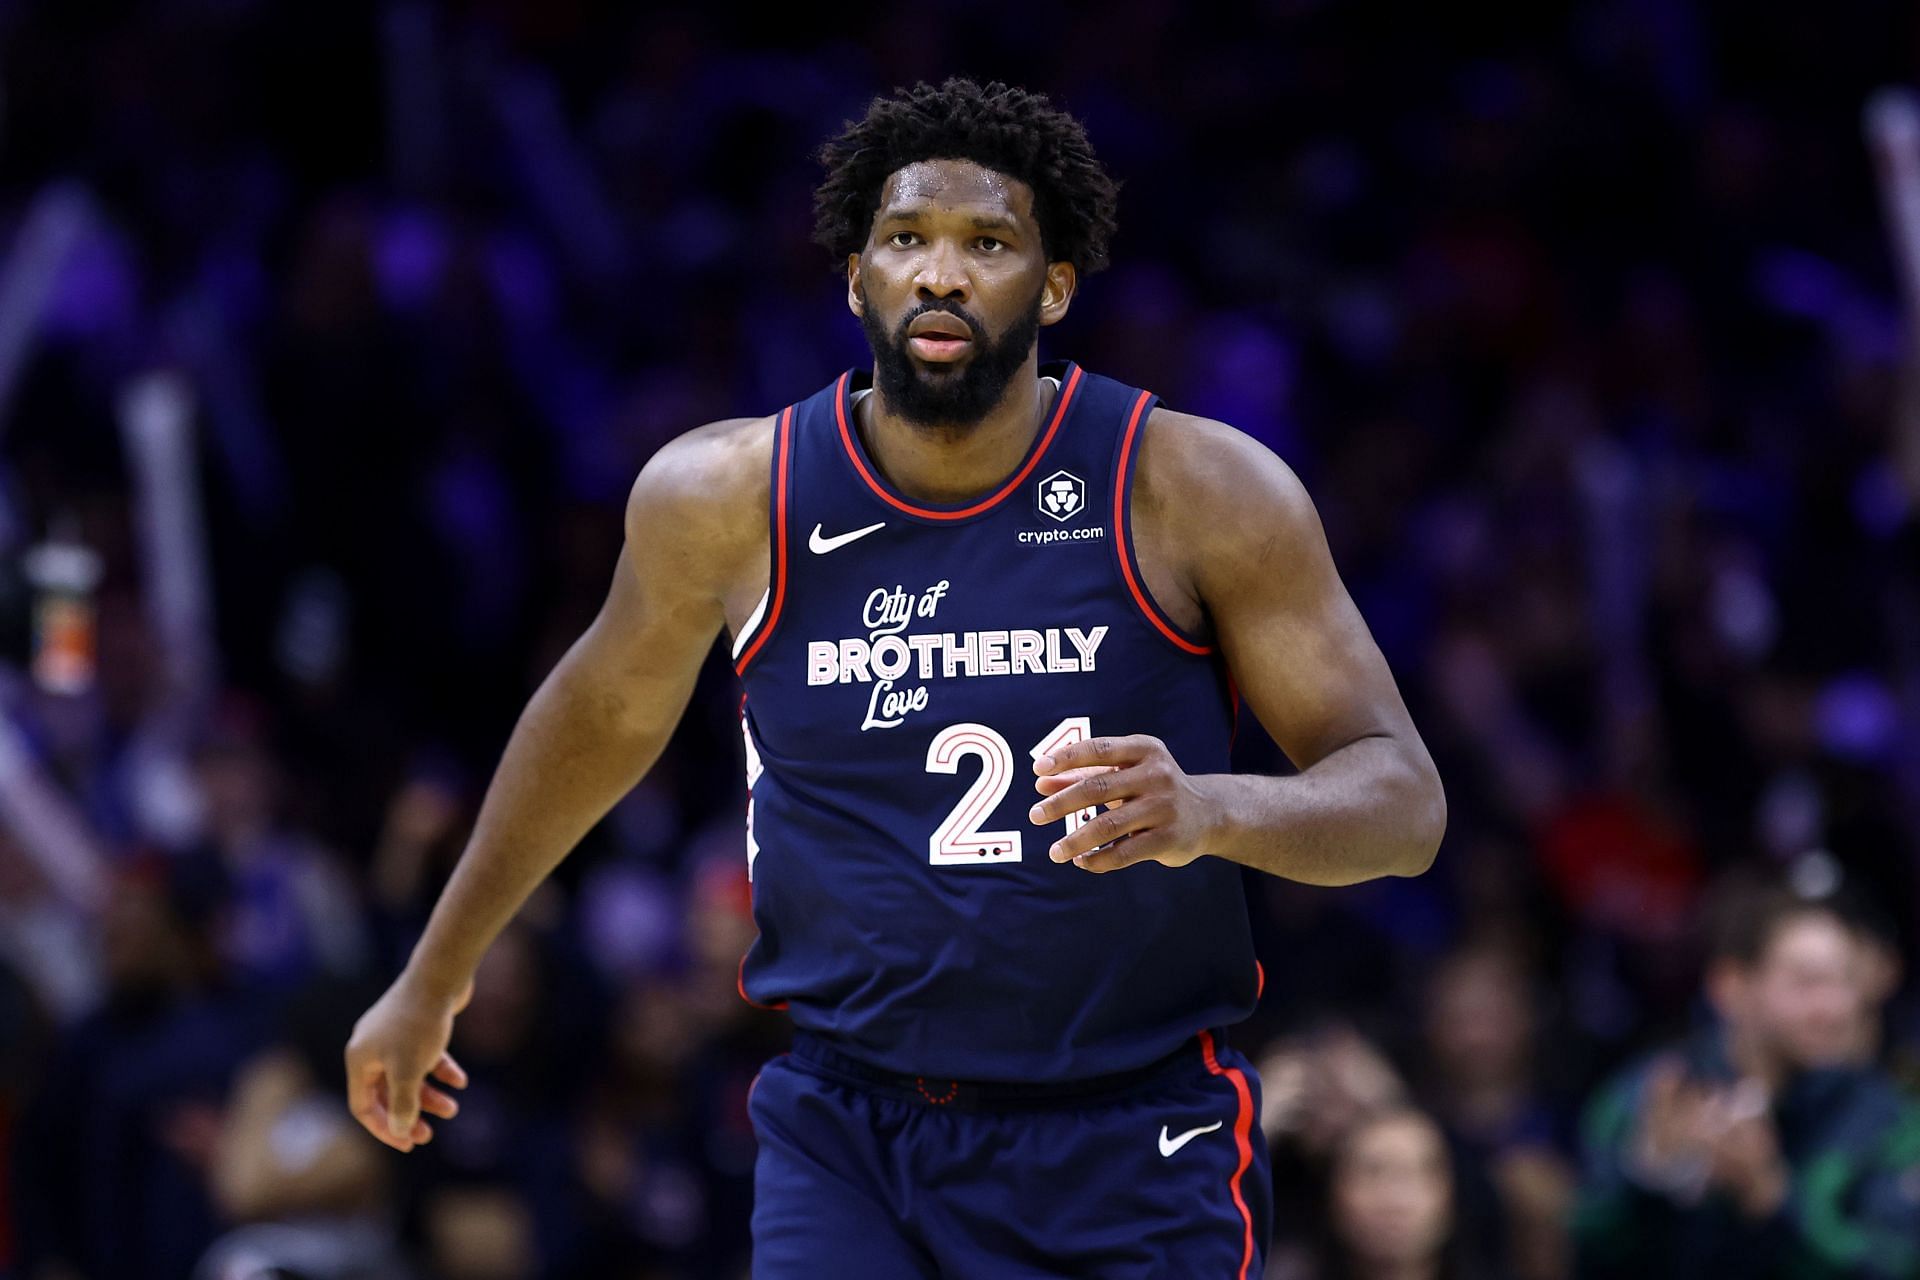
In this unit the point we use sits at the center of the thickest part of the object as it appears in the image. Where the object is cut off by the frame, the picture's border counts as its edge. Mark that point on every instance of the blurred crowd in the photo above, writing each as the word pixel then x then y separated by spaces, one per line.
pixel 1576 319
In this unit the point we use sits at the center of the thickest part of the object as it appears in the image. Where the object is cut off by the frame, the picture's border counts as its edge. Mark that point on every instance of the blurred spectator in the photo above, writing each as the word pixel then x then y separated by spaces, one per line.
pixel 652 1143
pixel 117 1146
pixel 1881 967
pixel 1486 1072
pixel 421 833
pixel 494 1195
pixel 666 1145
pixel 1315 1086
pixel 1389 1206
pixel 1763 1145
pixel 295 916
pixel 24 1034
pixel 313 1191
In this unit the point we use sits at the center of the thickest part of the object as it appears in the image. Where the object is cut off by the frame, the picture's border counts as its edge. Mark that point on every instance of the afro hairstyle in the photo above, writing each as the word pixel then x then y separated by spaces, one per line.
pixel 1005 129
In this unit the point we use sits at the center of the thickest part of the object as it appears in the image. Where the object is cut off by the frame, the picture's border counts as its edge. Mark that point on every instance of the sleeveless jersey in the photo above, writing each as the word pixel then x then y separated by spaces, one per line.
pixel 909 662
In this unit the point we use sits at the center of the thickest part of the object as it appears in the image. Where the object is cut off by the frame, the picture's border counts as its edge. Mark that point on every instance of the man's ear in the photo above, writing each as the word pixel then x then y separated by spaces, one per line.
pixel 856 295
pixel 1057 296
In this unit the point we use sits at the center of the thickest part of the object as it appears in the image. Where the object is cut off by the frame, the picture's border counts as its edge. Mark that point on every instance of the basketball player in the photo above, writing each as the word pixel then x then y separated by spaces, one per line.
pixel 990 616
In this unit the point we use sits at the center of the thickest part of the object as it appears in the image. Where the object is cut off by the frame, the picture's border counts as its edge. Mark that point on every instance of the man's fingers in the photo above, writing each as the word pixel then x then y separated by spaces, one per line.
pixel 1124 853
pixel 391 1133
pixel 1104 750
pixel 1052 783
pixel 375 1123
pixel 1105 827
pixel 374 1120
pixel 360 1078
pixel 367 1100
pixel 1095 787
pixel 450 1072
pixel 403 1105
pixel 371 1112
pixel 434 1102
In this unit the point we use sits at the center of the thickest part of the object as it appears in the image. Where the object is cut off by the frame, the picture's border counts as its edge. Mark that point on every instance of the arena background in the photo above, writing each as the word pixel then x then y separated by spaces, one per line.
pixel 332 336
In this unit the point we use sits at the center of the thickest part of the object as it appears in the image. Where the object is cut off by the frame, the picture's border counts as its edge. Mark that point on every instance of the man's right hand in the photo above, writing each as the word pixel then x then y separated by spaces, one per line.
pixel 396 1045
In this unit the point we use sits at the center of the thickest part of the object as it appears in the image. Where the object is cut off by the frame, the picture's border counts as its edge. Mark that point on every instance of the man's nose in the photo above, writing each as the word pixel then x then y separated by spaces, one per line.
pixel 942 275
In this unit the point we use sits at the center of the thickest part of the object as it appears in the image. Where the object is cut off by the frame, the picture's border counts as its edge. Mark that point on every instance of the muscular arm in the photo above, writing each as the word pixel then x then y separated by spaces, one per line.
pixel 1367 800
pixel 695 530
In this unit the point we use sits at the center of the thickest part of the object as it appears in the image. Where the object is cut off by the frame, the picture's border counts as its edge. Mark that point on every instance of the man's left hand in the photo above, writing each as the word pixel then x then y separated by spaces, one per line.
pixel 1151 809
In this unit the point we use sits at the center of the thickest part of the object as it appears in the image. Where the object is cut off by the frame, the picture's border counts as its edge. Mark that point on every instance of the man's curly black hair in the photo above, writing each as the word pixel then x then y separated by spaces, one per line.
pixel 1008 130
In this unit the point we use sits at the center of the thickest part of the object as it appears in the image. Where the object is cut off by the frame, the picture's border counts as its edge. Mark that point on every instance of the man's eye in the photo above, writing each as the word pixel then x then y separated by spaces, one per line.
pixel 897 237
pixel 989 243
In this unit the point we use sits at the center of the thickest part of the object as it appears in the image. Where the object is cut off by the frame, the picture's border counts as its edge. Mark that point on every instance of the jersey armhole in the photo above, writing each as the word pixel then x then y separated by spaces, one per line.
pixel 753 621
pixel 766 615
pixel 1126 460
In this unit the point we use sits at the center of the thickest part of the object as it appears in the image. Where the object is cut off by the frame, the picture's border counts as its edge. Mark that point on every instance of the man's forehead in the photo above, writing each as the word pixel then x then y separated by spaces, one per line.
pixel 956 183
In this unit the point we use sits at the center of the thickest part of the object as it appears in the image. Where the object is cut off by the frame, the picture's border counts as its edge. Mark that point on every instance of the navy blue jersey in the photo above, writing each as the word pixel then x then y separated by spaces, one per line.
pixel 909 662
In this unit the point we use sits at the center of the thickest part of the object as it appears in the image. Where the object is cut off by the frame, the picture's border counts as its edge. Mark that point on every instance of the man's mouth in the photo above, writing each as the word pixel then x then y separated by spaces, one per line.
pixel 939 348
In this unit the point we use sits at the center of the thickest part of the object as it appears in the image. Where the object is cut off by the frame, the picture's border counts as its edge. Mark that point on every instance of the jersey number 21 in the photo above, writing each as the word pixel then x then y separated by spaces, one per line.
pixel 958 840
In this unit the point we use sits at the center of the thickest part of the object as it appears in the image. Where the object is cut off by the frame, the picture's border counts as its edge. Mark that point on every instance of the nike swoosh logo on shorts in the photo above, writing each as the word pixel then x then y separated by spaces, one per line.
pixel 820 546
pixel 1170 1145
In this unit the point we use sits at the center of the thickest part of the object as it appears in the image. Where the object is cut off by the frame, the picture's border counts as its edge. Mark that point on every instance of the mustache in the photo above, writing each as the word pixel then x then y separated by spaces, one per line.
pixel 974 327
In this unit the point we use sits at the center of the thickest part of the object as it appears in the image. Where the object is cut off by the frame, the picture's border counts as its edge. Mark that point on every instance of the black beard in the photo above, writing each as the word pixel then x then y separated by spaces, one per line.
pixel 954 396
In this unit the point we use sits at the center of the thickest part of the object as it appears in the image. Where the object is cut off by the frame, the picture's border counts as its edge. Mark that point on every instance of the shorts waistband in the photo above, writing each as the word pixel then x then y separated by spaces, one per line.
pixel 996 1095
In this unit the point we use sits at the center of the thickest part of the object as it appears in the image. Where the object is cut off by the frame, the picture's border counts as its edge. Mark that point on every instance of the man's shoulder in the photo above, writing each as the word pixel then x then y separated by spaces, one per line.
pixel 723 452
pixel 707 487
pixel 1192 469
pixel 1206 459
pixel 717 464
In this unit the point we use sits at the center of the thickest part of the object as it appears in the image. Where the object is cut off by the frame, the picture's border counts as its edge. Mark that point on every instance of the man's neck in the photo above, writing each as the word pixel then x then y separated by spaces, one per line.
pixel 946 464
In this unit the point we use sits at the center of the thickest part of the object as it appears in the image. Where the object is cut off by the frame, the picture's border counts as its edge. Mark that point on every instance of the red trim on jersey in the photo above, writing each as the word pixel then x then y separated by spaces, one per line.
pixel 784 446
pixel 846 440
pixel 740 985
pixel 1260 974
pixel 1242 1128
pixel 1120 531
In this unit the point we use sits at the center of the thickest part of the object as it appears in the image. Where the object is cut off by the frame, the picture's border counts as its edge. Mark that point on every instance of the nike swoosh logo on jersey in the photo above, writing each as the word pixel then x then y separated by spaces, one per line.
pixel 820 546
pixel 1170 1145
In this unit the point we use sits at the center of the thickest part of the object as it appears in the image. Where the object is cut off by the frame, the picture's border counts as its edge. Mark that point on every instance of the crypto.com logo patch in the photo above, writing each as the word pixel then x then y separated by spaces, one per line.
pixel 1061 496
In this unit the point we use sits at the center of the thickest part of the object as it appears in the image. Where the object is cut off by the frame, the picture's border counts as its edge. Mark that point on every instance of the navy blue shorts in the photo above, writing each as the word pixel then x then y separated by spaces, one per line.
pixel 860 1179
